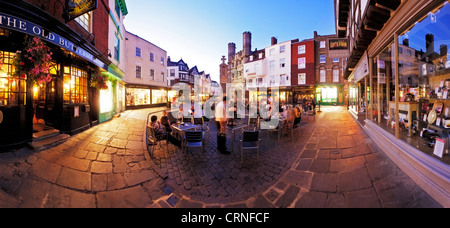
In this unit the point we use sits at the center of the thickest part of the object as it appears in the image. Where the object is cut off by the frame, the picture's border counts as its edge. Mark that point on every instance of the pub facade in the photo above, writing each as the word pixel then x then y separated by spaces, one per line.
pixel 66 102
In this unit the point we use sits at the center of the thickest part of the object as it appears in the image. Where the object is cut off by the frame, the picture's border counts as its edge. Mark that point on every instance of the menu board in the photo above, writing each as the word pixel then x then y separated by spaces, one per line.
pixel 439 147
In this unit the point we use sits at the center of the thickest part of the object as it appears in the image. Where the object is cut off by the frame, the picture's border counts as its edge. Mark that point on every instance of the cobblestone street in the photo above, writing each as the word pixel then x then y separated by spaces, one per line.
pixel 330 162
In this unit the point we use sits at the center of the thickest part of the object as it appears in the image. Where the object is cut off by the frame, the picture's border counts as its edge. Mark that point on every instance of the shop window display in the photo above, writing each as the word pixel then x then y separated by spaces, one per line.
pixel 424 80
pixel 159 96
pixel 137 97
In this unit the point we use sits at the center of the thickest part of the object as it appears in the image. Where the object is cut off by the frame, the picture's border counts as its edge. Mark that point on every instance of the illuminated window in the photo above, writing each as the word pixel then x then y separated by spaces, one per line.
pixel 323 75
pixel 106 99
pixel 159 96
pixel 301 63
pixel 75 85
pixel 302 79
pixel 137 97
pixel 335 74
pixel 84 21
pixel 12 90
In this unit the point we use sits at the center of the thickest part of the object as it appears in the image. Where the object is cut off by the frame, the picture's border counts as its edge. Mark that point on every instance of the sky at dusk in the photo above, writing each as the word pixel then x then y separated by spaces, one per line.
pixel 199 30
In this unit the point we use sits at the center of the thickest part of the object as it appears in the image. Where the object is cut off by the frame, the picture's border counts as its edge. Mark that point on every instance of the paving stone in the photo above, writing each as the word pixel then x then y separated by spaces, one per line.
pixel 46 170
pixel 134 197
pixel 101 167
pixel 288 197
pixel 312 200
pixel 365 198
pixel 353 180
pixel 74 179
pixel 320 166
pixel 324 182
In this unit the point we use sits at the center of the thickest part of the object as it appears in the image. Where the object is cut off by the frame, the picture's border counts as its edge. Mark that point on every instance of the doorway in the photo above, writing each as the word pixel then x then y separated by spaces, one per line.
pixel 44 97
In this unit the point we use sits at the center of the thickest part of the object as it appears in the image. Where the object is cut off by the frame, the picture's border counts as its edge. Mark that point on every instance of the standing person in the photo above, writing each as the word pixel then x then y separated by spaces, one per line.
pixel 221 122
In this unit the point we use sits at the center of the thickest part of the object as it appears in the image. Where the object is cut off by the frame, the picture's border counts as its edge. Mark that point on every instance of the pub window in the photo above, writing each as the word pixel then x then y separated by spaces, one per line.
pixel 75 85
pixel 12 90
pixel 84 21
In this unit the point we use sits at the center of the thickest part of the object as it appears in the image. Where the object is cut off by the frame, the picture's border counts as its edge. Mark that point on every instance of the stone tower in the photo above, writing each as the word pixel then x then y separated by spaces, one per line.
pixel 231 51
pixel 247 41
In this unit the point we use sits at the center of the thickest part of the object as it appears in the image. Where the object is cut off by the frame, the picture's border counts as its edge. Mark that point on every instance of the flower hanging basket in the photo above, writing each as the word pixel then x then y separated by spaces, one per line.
pixel 33 63
pixel 99 81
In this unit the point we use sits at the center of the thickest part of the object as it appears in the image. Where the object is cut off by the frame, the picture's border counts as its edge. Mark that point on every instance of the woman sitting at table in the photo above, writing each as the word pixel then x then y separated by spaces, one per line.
pixel 165 122
pixel 161 134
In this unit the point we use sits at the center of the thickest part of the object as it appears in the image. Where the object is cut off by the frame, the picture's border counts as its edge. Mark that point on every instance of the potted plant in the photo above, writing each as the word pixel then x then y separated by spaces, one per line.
pixel 33 63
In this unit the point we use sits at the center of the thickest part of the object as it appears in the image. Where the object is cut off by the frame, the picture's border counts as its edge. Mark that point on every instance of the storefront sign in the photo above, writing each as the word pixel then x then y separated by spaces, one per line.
pixel 362 69
pixel 77 8
pixel 17 24
pixel 338 44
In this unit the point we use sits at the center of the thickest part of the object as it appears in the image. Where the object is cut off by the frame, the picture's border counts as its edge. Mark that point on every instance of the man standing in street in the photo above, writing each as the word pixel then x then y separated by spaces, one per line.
pixel 221 122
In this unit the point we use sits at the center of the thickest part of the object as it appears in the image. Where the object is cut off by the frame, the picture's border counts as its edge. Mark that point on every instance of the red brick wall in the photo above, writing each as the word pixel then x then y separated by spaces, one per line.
pixel 310 58
pixel 100 18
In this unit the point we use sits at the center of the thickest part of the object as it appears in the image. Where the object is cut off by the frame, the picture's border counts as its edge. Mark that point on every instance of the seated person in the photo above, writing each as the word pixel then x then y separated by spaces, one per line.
pixel 165 122
pixel 161 134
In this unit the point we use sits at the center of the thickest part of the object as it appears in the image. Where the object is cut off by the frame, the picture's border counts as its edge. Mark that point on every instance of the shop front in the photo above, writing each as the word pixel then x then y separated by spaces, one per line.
pixel 332 94
pixel 405 93
pixel 112 98
pixel 141 96
pixel 64 102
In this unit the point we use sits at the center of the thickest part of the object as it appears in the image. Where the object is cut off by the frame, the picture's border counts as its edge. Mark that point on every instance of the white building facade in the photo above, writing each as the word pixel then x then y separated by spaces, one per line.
pixel 278 65
pixel 146 74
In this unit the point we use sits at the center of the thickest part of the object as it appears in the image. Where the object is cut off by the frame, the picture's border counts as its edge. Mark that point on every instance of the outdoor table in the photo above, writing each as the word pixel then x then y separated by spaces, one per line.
pixel 233 130
pixel 184 127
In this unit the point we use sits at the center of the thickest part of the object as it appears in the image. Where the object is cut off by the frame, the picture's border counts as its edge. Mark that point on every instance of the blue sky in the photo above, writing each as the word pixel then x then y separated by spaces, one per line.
pixel 199 30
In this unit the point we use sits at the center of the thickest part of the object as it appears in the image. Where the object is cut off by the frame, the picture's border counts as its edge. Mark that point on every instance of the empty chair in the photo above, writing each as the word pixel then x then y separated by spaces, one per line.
pixel 292 126
pixel 194 139
pixel 250 141
pixel 200 121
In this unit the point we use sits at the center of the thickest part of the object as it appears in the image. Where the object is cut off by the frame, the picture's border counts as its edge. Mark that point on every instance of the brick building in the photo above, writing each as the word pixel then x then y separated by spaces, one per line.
pixel 303 70
pixel 330 52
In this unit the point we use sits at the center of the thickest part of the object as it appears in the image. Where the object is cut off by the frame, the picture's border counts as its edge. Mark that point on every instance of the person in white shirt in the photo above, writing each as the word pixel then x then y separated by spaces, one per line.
pixel 221 122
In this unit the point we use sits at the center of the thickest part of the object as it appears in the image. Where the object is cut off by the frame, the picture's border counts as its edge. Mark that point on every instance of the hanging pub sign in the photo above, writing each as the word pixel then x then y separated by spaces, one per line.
pixel 338 44
pixel 76 8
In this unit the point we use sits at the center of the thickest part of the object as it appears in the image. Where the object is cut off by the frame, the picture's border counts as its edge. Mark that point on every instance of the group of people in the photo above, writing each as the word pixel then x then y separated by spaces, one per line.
pixel 163 127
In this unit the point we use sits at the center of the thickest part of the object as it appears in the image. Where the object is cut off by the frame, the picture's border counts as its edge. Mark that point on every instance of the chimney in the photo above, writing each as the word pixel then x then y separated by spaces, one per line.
pixel 273 41
pixel 406 42
pixel 444 50
pixel 430 43
pixel 247 38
